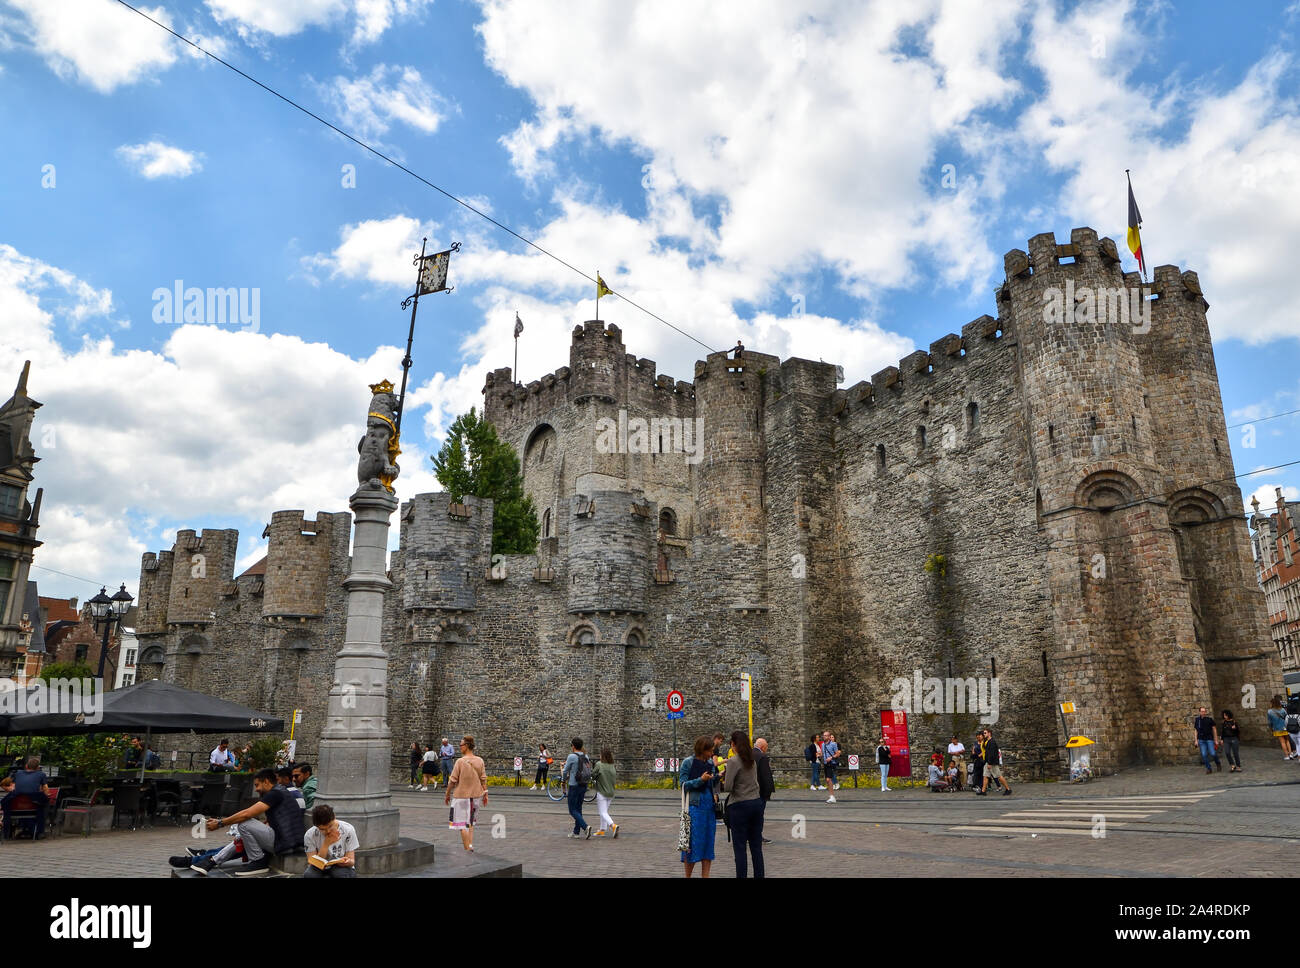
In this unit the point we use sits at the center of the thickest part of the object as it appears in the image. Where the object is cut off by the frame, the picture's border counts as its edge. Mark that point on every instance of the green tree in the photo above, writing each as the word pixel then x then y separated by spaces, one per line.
pixel 66 670
pixel 474 460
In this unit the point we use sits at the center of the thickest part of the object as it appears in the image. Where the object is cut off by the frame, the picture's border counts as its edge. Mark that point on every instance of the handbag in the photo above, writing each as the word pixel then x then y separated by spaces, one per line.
pixel 684 826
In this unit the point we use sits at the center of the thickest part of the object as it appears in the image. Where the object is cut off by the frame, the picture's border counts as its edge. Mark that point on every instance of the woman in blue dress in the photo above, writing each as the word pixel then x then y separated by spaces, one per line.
pixel 697 780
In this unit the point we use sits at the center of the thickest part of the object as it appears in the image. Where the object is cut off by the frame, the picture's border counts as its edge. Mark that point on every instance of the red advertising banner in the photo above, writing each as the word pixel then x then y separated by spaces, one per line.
pixel 893 724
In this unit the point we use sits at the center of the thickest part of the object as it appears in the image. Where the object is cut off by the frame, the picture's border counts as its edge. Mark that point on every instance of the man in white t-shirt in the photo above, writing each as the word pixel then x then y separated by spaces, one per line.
pixel 221 758
pixel 333 839
pixel 957 757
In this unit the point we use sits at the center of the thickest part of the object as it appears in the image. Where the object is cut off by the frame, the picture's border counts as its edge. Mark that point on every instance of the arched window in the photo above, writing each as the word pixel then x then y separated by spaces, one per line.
pixel 546 523
pixel 668 521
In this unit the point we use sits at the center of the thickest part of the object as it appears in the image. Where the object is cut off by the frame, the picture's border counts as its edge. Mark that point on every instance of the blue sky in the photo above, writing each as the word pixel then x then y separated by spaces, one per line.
pixel 774 175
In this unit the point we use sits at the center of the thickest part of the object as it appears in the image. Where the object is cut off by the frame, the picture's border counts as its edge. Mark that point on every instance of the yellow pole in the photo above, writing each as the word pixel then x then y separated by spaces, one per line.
pixel 293 721
pixel 749 694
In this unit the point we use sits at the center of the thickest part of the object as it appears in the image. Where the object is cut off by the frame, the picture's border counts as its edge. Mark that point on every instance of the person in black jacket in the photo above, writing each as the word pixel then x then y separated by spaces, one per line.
pixel 766 785
pixel 1230 733
pixel 992 765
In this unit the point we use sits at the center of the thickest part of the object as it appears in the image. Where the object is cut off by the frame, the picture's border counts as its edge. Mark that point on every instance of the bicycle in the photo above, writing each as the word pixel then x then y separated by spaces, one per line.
pixel 558 789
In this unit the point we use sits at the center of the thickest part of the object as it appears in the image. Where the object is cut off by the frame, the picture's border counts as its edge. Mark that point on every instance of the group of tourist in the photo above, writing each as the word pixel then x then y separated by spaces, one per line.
pixel 744 775
pixel 823 753
pixel 429 763
pixel 274 826
pixel 1211 736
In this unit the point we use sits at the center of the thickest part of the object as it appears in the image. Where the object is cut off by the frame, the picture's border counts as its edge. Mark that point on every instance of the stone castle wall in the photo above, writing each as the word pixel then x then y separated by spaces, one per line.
pixel 1041 502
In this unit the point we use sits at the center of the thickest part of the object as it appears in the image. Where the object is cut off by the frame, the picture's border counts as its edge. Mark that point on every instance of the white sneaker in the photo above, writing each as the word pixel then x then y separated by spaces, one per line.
pixel 423 788
pixel 812 786
pixel 831 799
pixel 821 788
pixel 411 787
pixel 533 787
pixel 837 786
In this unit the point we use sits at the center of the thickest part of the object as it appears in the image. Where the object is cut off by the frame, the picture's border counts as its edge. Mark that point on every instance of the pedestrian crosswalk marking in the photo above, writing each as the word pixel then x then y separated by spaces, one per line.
pixel 1079 816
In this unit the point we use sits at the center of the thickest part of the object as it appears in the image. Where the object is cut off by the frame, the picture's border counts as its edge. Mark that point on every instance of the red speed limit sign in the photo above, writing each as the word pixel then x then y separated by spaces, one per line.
pixel 676 702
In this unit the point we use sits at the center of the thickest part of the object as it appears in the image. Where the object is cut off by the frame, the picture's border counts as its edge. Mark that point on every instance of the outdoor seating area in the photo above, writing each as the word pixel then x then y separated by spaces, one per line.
pixel 128 803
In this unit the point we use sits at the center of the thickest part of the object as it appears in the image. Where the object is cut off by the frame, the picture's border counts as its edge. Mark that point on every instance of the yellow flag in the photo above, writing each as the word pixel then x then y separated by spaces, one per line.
pixel 601 288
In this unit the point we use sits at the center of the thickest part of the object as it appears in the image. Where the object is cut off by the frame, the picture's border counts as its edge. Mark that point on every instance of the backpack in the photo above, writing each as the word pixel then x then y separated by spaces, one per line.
pixel 582 772
pixel 1293 723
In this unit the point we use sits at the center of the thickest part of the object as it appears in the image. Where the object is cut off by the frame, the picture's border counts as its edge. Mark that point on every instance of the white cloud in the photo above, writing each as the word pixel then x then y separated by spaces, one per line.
pixel 817 140
pixel 181 434
pixel 1266 494
pixel 286 17
pixel 1217 194
pixel 157 160
pixel 98 42
pixel 368 106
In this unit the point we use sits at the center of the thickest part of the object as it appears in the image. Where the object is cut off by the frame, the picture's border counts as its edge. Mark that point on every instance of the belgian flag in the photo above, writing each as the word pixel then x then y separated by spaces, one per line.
pixel 1134 224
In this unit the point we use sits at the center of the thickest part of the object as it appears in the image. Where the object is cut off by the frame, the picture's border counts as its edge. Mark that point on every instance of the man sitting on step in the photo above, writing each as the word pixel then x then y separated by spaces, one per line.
pixel 281 835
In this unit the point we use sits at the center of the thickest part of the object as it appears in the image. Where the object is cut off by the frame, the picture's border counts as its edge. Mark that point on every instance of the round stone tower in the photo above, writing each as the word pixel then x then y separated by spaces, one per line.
pixel 729 397
pixel 611 542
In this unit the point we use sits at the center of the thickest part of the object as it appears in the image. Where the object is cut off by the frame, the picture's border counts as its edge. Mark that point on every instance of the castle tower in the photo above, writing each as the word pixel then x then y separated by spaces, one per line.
pixel 1185 413
pixel 202 565
pixel 297 565
pixel 729 398
pixel 1126 653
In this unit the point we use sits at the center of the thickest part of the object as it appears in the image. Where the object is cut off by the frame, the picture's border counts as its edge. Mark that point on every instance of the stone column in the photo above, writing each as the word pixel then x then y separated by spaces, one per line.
pixel 355 747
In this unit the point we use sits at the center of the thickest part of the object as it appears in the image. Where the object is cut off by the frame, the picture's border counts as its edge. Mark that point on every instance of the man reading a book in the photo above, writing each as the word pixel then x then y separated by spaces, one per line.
pixel 331 845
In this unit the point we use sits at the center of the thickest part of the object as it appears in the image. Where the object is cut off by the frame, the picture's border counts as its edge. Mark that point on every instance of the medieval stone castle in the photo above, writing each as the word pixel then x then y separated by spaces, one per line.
pixel 1045 502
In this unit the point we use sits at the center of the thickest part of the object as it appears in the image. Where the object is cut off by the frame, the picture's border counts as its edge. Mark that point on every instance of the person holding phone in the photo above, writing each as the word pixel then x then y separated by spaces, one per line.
pixel 696 776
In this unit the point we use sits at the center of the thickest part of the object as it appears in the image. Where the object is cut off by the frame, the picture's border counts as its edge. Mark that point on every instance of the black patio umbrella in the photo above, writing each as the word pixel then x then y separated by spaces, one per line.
pixel 152 706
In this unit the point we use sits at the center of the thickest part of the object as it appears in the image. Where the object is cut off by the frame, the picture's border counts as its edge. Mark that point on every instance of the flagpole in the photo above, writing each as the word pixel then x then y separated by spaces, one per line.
pixel 1141 262
pixel 597 295
pixel 516 369
pixel 410 337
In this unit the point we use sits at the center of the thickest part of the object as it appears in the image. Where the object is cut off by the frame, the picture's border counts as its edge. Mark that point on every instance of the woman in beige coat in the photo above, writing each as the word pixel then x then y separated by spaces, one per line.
pixel 466 792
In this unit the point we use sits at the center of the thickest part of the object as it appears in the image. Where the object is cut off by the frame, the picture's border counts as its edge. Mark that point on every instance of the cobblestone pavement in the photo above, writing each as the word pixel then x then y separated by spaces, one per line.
pixel 1165 821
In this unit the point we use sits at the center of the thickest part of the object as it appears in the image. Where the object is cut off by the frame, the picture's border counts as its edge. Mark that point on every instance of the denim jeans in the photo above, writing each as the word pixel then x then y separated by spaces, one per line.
pixel 746 819
pixel 576 792
pixel 817 768
pixel 884 776
pixel 1232 750
pixel 1208 752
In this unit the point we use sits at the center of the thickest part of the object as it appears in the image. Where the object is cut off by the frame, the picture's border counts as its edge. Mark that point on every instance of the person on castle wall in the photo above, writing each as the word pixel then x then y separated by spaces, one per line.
pixel 813 754
pixel 429 769
pixel 543 766
pixel 739 351
pixel 1230 733
pixel 446 759
pixel 1207 739
pixel 696 781
pixel 415 754
pixel 1277 723
pixel 468 783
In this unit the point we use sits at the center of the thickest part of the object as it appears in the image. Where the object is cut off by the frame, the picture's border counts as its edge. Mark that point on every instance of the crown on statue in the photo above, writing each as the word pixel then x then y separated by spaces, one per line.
pixel 383 386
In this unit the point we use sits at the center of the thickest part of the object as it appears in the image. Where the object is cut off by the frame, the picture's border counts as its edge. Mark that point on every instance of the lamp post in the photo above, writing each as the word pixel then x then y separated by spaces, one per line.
pixel 106 611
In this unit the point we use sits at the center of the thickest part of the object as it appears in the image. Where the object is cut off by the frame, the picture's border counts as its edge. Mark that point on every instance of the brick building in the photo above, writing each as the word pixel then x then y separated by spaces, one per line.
pixel 1277 564
pixel 1042 505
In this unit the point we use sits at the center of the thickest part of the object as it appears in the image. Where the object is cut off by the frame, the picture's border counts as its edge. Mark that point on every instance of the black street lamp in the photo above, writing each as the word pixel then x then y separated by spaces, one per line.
pixel 106 611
